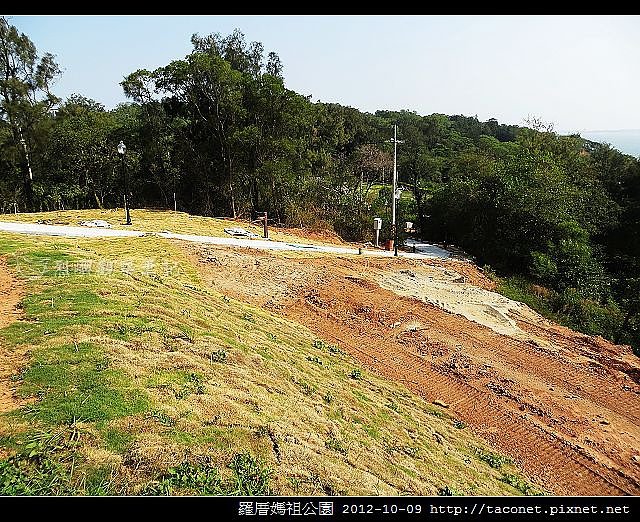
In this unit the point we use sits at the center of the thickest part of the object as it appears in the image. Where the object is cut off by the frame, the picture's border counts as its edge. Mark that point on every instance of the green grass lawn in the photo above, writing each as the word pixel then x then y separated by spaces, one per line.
pixel 140 380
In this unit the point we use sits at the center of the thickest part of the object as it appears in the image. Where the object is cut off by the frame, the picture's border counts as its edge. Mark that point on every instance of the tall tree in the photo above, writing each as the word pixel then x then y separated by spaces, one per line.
pixel 25 96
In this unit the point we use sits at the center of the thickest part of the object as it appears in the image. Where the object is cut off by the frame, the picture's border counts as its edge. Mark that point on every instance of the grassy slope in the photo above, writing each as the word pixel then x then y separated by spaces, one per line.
pixel 133 374
pixel 152 221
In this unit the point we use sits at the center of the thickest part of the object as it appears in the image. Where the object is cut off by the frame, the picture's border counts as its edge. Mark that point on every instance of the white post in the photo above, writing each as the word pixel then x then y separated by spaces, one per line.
pixel 395 180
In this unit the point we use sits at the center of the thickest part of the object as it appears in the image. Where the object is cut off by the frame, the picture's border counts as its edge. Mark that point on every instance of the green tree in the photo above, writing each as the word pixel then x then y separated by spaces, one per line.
pixel 25 96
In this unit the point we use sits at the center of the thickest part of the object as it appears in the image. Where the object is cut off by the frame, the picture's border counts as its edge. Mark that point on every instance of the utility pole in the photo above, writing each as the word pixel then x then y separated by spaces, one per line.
pixel 395 176
pixel 395 142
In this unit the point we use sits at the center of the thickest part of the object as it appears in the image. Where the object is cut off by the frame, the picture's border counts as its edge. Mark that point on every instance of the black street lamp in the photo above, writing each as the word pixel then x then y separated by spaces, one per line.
pixel 122 149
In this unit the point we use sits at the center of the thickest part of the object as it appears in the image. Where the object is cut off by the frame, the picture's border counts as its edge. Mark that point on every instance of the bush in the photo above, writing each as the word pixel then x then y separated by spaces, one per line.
pixel 202 479
pixel 543 267
pixel 252 476
pixel 587 315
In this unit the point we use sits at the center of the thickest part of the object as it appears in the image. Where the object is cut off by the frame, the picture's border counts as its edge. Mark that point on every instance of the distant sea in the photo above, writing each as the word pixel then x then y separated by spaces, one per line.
pixel 627 141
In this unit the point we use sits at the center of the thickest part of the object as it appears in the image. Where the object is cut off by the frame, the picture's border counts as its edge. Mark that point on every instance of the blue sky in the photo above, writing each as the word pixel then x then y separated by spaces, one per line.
pixel 579 72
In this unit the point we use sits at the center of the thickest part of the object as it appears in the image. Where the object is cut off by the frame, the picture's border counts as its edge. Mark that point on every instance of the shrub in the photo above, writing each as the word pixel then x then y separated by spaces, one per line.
pixel 251 475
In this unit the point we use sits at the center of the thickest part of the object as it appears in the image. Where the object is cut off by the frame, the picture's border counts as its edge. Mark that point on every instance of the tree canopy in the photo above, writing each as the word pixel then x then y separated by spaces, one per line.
pixel 219 131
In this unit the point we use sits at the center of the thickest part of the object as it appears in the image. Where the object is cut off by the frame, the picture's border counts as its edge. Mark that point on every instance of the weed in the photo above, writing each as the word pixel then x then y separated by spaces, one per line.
pixel 494 460
pixel 251 475
pixel 36 469
pixel 458 424
pixel 356 374
pixel 307 388
pixel 23 475
pixel 337 414
pixel 520 484
pixel 361 396
pixel 448 492
pixel 162 418
pixel 182 393
pixel 319 344
pixel 203 479
pixel 295 483
pixel 335 444
pixel 335 350
pixel 272 337
pixel 219 356
pixel 193 384
pixel 262 431
pixel 314 359
pixel 102 365
pixel 372 432
pixel 249 317
pixel 327 397
pixel 411 451
pixel 436 413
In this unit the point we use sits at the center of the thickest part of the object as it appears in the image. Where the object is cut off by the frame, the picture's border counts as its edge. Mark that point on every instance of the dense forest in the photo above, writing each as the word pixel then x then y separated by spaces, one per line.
pixel 217 133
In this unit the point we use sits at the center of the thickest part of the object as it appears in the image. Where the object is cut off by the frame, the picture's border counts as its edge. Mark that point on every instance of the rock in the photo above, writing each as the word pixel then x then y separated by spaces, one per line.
pixel 96 223
pixel 636 458
pixel 438 402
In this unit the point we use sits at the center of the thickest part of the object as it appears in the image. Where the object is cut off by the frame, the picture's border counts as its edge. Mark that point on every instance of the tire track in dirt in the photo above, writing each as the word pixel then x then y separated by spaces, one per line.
pixel 552 462
pixel 11 292
pixel 471 404
pixel 589 382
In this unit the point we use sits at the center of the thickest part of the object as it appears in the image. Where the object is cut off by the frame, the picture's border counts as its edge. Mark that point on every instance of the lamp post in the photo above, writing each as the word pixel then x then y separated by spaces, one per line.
pixel 122 149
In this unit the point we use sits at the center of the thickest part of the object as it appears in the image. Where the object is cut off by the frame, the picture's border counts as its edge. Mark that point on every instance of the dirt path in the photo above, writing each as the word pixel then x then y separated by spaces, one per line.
pixel 564 406
pixel 11 292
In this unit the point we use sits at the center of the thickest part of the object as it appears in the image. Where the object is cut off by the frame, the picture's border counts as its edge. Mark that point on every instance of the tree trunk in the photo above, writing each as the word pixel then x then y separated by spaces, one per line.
pixel 231 192
pixel 28 185
pixel 233 200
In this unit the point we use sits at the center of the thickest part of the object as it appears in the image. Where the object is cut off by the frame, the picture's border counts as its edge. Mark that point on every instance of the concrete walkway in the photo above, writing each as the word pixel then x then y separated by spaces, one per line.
pixel 423 250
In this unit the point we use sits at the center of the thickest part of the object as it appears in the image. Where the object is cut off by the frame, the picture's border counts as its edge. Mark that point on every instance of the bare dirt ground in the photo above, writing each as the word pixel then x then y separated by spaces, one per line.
pixel 563 405
pixel 11 292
